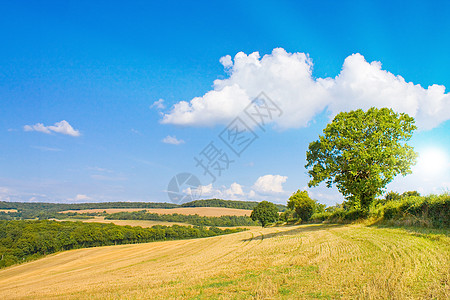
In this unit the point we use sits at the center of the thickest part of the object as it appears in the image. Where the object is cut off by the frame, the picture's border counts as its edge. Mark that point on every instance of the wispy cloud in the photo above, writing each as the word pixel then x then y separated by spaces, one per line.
pixel 172 140
pixel 158 104
pixel 107 178
pixel 98 169
pixel 135 131
pixel 43 148
pixel 62 127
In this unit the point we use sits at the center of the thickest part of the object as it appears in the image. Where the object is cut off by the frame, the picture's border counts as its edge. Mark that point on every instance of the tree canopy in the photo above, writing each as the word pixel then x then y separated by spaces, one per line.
pixel 265 212
pixel 302 204
pixel 361 152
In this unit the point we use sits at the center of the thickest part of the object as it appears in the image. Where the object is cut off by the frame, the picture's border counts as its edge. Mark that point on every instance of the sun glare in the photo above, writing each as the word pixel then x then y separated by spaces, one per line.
pixel 432 161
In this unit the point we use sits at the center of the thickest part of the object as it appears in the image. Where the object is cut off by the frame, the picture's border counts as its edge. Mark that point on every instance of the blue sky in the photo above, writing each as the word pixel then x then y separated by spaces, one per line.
pixel 92 75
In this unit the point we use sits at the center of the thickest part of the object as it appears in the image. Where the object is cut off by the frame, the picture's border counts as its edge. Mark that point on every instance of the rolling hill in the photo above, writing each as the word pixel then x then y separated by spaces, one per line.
pixel 308 261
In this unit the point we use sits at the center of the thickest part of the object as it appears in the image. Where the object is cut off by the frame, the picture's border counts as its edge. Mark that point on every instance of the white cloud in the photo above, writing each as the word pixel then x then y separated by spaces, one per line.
pixel 270 184
pixel 202 191
pixel 158 104
pixel 268 187
pixel 108 178
pixel 226 61
pixel 62 127
pixel 172 140
pixel 37 127
pixel 214 107
pixel 43 148
pixel 81 197
pixel 5 194
pixel 100 169
pixel 235 191
pixel 77 198
pixel 287 79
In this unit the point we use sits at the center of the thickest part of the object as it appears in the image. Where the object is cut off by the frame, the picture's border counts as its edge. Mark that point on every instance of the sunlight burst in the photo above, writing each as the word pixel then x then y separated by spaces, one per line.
pixel 432 161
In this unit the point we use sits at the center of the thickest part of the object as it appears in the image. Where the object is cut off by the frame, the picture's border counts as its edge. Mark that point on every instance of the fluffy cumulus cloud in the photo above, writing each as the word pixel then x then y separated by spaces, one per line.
pixel 62 127
pixel 172 140
pixel 235 191
pixel 287 79
pixel 267 187
pixel 270 184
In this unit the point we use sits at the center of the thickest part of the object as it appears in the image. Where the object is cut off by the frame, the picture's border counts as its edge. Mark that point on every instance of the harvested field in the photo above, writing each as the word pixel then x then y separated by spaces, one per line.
pixel 8 210
pixel 201 211
pixel 298 262
pixel 141 223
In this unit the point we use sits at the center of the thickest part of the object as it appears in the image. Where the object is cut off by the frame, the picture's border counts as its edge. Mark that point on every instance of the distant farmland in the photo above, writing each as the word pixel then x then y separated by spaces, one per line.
pixel 8 210
pixel 201 211
pixel 142 223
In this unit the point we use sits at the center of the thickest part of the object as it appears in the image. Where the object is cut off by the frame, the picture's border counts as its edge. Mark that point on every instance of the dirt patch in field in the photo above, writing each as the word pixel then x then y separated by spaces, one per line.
pixel 201 211
pixel 8 210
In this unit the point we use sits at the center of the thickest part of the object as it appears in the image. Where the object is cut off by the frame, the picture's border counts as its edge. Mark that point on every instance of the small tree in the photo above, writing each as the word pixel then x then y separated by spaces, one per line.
pixel 361 152
pixel 265 212
pixel 411 194
pixel 392 196
pixel 302 204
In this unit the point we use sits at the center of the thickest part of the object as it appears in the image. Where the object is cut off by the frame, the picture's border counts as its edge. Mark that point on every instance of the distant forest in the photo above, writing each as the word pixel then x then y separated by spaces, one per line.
pixel 223 221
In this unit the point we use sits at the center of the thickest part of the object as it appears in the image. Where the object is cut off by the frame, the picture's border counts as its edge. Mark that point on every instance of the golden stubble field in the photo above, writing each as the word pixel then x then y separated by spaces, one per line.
pixel 141 223
pixel 306 262
pixel 201 211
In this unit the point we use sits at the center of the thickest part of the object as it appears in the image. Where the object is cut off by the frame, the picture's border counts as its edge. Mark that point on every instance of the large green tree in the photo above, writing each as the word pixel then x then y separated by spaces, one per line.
pixel 302 204
pixel 361 152
pixel 265 212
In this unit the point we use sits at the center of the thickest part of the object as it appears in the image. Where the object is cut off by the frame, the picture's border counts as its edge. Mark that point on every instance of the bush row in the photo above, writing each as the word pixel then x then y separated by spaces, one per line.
pixel 223 221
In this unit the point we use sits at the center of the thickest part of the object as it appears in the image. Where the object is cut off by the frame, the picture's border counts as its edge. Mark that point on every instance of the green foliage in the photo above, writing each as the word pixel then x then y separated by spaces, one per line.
pixel 433 210
pixel 265 212
pixel 302 204
pixel 26 240
pixel 361 152
pixel 426 211
pixel 227 203
pixel 287 215
pixel 411 194
pixel 392 196
pixel 340 216
pixel 223 221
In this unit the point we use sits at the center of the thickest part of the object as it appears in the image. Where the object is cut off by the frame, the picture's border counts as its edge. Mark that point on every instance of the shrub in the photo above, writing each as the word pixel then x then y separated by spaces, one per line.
pixel 435 208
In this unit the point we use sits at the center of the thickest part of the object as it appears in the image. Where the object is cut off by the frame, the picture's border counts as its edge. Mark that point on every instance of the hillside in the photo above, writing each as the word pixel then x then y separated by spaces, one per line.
pixel 308 261
pixel 24 210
